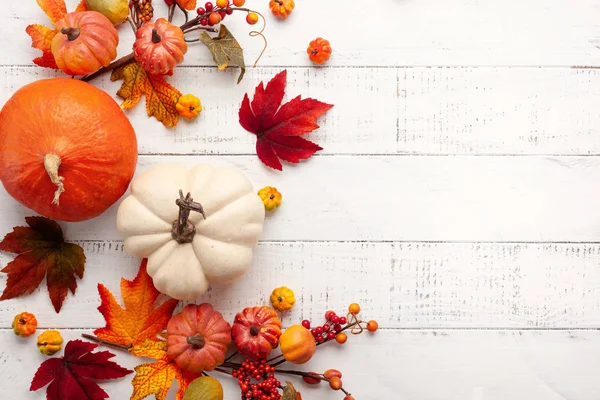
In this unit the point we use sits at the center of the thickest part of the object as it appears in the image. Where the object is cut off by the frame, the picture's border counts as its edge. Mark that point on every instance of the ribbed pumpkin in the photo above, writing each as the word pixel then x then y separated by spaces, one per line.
pixel 87 42
pixel 297 344
pixel 67 150
pixel 159 46
pixel 256 331
pixel 198 338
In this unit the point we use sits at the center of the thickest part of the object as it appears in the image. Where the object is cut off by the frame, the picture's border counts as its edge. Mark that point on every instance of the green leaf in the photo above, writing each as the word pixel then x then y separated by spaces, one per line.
pixel 204 388
pixel 225 50
pixel 290 393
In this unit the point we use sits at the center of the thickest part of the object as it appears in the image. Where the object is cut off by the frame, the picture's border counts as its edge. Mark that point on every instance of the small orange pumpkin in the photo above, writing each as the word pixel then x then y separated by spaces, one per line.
pixel 319 51
pixel 256 331
pixel 159 46
pixel 188 106
pixel 24 324
pixel 198 338
pixel 297 344
pixel 281 8
pixel 87 42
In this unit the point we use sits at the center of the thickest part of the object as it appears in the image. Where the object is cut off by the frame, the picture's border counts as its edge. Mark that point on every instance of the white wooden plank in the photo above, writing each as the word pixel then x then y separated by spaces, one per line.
pixel 424 365
pixel 408 285
pixel 386 110
pixel 406 199
pixel 388 32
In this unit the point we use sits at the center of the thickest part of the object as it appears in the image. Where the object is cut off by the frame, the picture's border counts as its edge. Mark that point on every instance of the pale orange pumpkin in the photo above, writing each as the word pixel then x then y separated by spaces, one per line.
pixel 198 338
pixel 159 46
pixel 67 150
pixel 86 42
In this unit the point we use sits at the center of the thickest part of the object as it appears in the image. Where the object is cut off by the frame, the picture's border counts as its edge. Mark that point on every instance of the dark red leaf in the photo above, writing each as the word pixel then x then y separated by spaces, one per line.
pixel 278 127
pixel 42 252
pixel 70 376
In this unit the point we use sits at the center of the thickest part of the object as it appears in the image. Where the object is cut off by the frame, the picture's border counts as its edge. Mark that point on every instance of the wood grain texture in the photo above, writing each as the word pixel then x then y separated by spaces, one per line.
pixel 385 110
pixel 540 199
pixel 412 365
pixel 388 32
pixel 401 285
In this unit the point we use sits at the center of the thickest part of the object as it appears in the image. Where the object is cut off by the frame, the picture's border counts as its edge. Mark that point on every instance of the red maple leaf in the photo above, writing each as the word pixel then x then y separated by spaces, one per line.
pixel 42 252
pixel 70 377
pixel 278 127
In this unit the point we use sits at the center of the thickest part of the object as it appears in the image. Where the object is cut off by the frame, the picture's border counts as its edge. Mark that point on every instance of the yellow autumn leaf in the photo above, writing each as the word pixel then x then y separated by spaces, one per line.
pixel 161 97
pixel 156 378
pixel 204 388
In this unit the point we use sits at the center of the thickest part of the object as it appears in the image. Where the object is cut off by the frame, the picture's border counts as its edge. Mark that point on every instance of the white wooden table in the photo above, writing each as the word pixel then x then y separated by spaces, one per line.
pixel 456 199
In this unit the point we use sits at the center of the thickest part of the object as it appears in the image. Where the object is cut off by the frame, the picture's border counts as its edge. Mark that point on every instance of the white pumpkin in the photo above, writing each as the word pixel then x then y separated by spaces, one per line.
pixel 215 245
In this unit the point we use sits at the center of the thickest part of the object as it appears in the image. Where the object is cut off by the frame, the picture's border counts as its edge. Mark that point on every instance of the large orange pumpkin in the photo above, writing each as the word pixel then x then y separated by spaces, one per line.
pixel 87 42
pixel 159 46
pixel 198 338
pixel 67 150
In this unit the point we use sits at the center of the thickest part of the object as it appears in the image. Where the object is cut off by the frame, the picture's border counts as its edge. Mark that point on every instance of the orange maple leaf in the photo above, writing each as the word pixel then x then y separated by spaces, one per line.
pixel 161 97
pixel 82 6
pixel 139 320
pixel 187 4
pixel 41 36
pixel 54 9
pixel 156 378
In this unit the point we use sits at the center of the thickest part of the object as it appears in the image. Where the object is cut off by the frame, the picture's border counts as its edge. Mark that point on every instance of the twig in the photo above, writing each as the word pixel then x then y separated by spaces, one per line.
pixel 132 24
pixel 231 357
pixel 112 66
pixel 106 342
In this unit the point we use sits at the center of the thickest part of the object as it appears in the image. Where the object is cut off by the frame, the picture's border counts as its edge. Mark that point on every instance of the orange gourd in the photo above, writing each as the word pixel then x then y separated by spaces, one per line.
pixel 87 42
pixel 24 324
pixel 281 8
pixel 198 338
pixel 67 150
pixel 319 51
pixel 159 46
pixel 297 344
pixel 256 331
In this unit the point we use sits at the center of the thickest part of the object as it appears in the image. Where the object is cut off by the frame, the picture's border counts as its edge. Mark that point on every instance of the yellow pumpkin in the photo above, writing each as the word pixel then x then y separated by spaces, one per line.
pixel 188 106
pixel 49 342
pixel 282 299
pixel 270 197
pixel 24 324
pixel 281 8
pixel 297 344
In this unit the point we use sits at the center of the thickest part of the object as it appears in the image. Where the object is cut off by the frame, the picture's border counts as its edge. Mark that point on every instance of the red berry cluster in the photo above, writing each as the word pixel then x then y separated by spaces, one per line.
pixel 329 330
pixel 266 386
pixel 212 14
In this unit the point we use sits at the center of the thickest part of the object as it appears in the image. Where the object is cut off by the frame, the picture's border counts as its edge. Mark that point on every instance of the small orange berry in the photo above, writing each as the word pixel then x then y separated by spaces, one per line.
pixel 354 308
pixel 372 326
pixel 341 338
pixel 348 398
pixel 214 18
pixel 335 383
pixel 222 3
pixel 239 3
pixel 252 18
pixel 330 373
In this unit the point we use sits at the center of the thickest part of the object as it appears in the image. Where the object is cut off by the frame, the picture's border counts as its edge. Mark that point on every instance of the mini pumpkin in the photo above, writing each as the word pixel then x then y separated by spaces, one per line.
pixel 87 42
pixel 297 344
pixel 207 236
pixel 270 197
pixel 188 106
pixel 198 338
pixel 50 342
pixel 281 8
pixel 159 46
pixel 24 324
pixel 282 299
pixel 319 51
pixel 256 331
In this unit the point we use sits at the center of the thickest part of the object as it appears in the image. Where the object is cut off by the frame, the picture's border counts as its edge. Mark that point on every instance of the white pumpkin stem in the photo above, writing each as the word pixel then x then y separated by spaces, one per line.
pixel 183 231
pixel 52 164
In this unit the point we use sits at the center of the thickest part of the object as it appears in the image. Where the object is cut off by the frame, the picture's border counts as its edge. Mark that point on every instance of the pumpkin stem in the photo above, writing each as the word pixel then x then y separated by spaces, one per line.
pixel 254 330
pixel 197 341
pixel 51 164
pixel 72 33
pixel 155 36
pixel 183 230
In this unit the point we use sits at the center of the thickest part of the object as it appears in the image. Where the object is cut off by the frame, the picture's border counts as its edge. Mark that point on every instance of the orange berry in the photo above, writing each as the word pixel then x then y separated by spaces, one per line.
pixel 354 308
pixel 341 338
pixel 252 18
pixel 319 51
pixel 330 373
pixel 372 326
pixel 348 398
pixel 222 3
pixel 239 3
pixel 214 18
pixel 335 383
